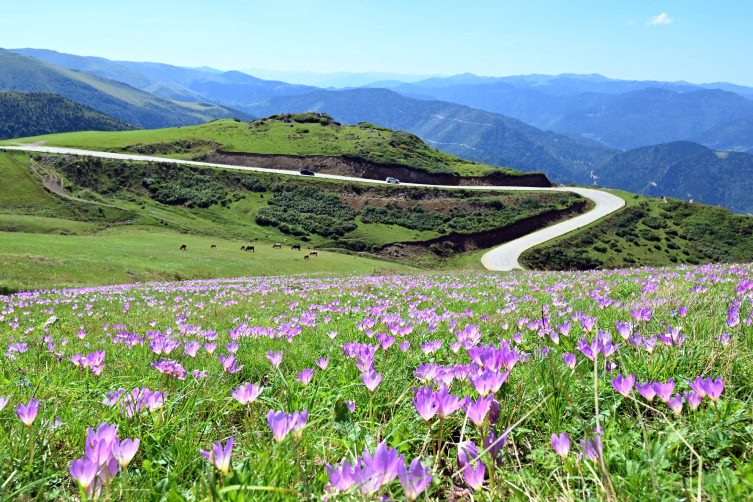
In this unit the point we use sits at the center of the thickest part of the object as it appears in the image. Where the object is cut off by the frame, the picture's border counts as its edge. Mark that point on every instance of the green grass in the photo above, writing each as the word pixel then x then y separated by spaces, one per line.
pixel 143 254
pixel 649 451
pixel 274 137
pixel 686 233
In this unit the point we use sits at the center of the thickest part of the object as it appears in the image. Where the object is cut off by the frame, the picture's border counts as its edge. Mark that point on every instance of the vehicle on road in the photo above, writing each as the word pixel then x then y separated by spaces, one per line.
pixel 306 172
pixel 393 180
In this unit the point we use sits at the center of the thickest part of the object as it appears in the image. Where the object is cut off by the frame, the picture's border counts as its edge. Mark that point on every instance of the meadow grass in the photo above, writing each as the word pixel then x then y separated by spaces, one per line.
pixel 687 322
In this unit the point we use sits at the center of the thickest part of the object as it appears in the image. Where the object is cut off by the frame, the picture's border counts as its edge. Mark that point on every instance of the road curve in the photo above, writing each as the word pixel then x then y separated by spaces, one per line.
pixel 501 258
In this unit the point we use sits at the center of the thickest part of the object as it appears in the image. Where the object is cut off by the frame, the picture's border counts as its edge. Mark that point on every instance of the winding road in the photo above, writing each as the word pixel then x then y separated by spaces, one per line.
pixel 501 258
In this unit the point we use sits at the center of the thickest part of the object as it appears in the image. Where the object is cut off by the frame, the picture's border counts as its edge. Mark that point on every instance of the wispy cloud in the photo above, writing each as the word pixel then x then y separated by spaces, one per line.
pixel 662 18
pixel 629 22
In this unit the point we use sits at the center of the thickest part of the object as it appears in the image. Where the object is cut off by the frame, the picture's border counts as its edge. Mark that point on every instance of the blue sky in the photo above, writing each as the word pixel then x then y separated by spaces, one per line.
pixel 697 41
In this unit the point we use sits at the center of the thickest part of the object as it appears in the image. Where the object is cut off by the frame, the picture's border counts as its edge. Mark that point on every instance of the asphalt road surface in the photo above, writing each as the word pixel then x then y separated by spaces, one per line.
pixel 501 258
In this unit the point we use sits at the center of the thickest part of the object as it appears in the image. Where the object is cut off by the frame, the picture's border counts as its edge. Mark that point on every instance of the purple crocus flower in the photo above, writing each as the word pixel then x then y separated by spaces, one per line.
pixel 467 451
pixel 589 350
pixel 192 348
pixel 683 311
pixel 588 323
pixel 425 403
pixel 723 338
pixel 693 400
pixel 569 359
pixel 675 403
pixel 713 389
pixel 275 357
pixel 647 390
pixel 561 444
pixel 279 423
pixel 564 328
pixel 84 472
pixel 210 347
pixel 323 362
pixel 414 479
pixel 3 401
pixel 475 477
pixel 697 386
pixel 229 364
pixel 404 346
pixel 447 404
pixel 592 448
pixel 642 315
pixel 305 376
pixel 342 476
pixel 232 347
pixel 351 406
pixel 371 380
pixel 247 393
pixel 125 450
pixel 664 390
pixel 477 410
pixel 220 456
pixel 380 469
pixel 28 412
pixel 297 421
pixel 623 385
pixel 624 329
pixel 494 445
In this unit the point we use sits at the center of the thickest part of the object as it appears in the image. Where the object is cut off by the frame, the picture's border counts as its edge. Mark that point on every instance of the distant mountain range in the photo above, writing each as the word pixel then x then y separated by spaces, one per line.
pixel 574 128
pixel 24 114
pixel 111 97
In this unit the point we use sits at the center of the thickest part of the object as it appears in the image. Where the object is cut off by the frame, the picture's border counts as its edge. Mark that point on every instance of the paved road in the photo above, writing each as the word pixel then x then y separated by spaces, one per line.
pixel 502 258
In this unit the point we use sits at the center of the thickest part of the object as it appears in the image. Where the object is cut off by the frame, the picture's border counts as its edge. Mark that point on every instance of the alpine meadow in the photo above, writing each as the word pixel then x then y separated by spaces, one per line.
pixel 443 251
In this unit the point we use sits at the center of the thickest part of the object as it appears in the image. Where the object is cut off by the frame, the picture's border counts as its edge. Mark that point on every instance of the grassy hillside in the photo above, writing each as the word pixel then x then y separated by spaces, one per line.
pixel 683 170
pixel 650 232
pixel 168 205
pixel 119 100
pixel 34 113
pixel 299 134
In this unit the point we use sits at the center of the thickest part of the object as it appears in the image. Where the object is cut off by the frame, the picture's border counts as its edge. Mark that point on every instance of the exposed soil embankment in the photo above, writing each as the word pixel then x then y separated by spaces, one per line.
pixel 358 168
pixel 458 243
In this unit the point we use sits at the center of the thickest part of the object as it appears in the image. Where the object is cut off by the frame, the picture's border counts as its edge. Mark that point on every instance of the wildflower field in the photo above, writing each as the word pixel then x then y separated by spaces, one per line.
pixel 616 385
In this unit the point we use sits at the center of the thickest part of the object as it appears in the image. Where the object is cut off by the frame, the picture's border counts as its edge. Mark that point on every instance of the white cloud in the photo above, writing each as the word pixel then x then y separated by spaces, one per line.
pixel 662 18
pixel 630 22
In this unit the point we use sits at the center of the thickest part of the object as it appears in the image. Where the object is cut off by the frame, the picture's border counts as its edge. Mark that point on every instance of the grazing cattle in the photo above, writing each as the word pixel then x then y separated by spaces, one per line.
pixel 213 246
pixel 296 246
pixel 183 248
pixel 243 248
pixel 306 257
pixel 250 248
pixel 276 245
pixel 313 253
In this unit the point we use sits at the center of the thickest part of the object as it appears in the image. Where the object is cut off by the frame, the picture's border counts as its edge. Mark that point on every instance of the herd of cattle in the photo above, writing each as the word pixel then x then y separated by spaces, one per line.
pixel 276 245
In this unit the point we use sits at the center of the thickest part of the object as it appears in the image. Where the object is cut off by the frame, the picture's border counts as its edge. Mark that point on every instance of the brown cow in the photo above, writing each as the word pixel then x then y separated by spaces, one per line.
pixel 183 248
pixel 276 245
pixel 250 248
pixel 306 257
pixel 213 246
pixel 313 253
pixel 296 246
pixel 243 248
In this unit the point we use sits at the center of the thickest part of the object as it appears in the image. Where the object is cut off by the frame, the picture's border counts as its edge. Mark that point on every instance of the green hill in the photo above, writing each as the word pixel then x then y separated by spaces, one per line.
pixel 683 170
pixel 652 232
pixel 299 135
pixel 119 100
pixel 36 113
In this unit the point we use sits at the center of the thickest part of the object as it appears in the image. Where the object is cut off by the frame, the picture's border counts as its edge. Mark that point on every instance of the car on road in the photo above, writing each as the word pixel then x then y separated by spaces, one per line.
pixel 393 180
pixel 306 172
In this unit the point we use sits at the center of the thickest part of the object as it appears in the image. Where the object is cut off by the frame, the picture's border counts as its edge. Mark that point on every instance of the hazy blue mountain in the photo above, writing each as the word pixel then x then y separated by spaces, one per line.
pixel 113 98
pixel 338 80
pixel 469 133
pixel 627 120
pixel 736 136
pixel 684 170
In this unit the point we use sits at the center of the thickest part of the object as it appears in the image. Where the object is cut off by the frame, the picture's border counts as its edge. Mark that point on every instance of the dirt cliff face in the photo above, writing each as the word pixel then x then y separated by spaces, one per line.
pixel 359 168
